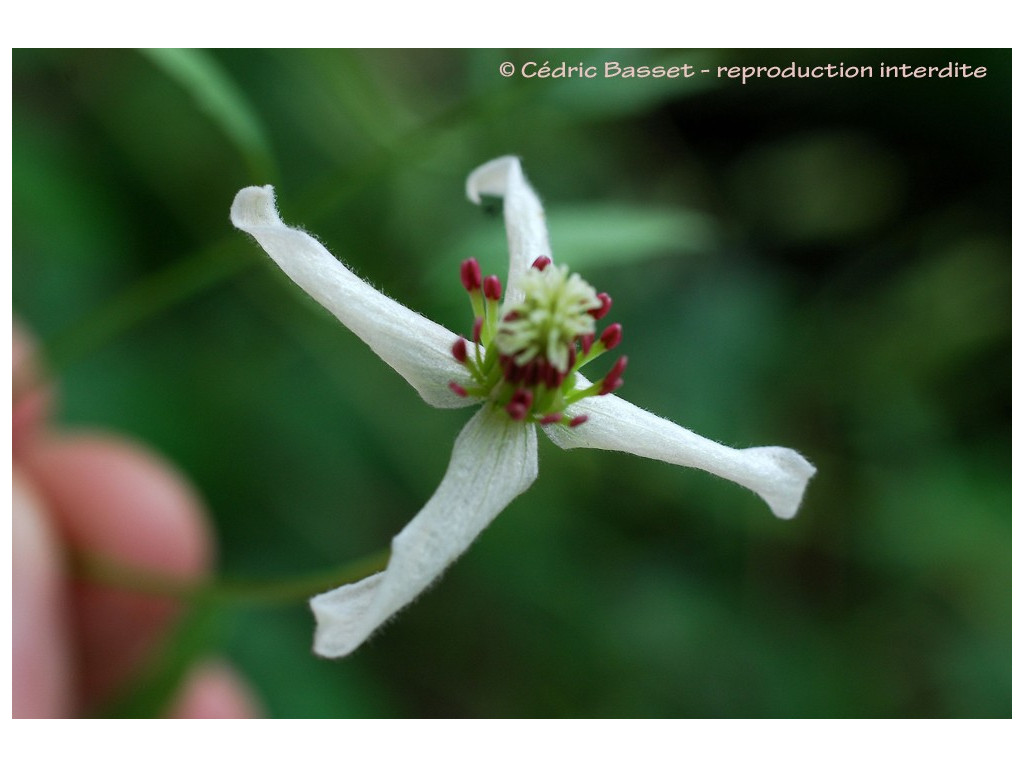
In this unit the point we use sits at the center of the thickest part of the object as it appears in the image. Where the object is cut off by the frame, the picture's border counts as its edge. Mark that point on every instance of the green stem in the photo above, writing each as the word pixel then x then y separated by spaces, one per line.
pixel 99 570
pixel 149 297
pixel 579 394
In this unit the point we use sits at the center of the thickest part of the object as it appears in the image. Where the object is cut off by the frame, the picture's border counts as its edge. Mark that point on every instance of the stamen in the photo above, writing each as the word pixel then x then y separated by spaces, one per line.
pixel 470 274
pixel 459 351
pixel 458 389
pixel 519 406
pixel 606 304
pixel 578 420
pixel 614 378
pixel 552 418
pixel 553 377
pixel 611 336
pixel 586 342
pixel 477 325
pixel 492 288
pixel 509 369
pixel 530 375
pixel 541 263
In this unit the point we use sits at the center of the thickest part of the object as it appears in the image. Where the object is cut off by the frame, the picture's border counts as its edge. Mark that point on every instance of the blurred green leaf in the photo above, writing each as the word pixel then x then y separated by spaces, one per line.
pixel 588 237
pixel 618 235
pixel 943 521
pixel 147 298
pixel 216 95
pixel 68 235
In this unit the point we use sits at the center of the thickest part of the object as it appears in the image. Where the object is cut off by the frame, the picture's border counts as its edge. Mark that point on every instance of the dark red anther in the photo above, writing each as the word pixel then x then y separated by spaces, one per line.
pixel 542 367
pixel 492 287
pixel 458 389
pixel 571 363
pixel 613 380
pixel 553 377
pixel 514 374
pixel 611 336
pixel 513 315
pixel 519 406
pixel 586 342
pixel 516 410
pixel 552 418
pixel 459 351
pixel 531 374
pixel 606 304
pixel 477 325
pixel 470 274
pixel 577 420
pixel 541 263
pixel 610 386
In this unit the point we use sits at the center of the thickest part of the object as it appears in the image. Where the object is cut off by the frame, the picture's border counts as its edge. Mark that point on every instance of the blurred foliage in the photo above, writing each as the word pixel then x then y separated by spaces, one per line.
pixel 822 264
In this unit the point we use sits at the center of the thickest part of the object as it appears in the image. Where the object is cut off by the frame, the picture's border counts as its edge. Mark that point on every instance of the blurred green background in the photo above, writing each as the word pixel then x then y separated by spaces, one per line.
pixel 821 264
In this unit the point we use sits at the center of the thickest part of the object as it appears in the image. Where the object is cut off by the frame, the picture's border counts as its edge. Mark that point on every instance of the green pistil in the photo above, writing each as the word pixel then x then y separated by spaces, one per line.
pixel 526 359
pixel 555 312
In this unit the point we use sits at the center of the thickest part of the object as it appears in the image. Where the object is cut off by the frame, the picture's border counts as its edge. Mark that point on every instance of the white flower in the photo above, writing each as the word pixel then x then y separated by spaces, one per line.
pixel 521 366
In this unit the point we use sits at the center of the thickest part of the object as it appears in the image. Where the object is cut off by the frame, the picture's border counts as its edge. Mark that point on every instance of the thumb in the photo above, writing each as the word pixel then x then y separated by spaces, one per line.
pixel 41 679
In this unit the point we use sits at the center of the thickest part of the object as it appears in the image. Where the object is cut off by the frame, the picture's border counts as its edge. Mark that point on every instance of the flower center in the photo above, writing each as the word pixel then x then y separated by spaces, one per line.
pixel 526 361
pixel 553 315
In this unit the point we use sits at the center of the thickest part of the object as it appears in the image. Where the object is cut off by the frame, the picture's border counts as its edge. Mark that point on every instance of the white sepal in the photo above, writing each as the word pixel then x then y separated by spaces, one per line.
pixel 524 217
pixel 777 475
pixel 493 461
pixel 418 348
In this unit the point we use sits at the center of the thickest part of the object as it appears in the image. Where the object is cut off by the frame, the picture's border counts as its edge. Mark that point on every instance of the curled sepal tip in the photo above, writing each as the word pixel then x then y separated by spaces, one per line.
pixel 525 227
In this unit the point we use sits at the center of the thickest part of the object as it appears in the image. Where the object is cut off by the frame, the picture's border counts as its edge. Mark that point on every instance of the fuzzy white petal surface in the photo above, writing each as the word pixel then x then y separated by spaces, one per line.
pixel 418 348
pixel 493 461
pixel 777 475
pixel 525 226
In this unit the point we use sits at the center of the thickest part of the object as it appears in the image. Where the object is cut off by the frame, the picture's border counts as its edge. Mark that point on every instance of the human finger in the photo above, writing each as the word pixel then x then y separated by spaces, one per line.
pixel 118 502
pixel 41 679
pixel 214 690
pixel 31 391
